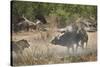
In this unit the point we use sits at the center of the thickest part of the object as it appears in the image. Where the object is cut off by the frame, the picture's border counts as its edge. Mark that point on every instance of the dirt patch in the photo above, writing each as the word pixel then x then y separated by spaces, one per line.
pixel 41 51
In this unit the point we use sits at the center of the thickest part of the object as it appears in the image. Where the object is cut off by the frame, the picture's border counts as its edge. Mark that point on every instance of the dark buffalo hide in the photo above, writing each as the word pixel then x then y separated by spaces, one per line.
pixel 71 36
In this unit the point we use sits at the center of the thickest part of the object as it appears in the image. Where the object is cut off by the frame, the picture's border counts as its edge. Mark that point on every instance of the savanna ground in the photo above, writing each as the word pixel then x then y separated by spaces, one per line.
pixel 41 51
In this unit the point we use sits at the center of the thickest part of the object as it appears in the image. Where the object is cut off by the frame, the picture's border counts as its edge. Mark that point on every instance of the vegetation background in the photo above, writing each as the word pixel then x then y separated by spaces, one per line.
pixel 63 12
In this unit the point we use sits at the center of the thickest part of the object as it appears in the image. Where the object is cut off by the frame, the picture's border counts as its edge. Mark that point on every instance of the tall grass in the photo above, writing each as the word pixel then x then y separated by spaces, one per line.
pixel 40 51
pixel 41 54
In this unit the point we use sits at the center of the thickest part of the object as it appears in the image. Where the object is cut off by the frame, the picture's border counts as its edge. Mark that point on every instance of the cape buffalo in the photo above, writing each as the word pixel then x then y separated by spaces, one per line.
pixel 72 36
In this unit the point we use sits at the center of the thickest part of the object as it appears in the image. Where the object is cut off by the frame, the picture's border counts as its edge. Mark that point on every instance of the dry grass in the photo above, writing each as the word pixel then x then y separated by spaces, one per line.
pixel 42 52
pixel 39 56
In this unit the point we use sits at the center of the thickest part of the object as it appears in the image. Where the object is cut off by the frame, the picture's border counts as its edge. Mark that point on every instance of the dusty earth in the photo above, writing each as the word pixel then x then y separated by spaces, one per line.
pixel 41 51
pixel 36 39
